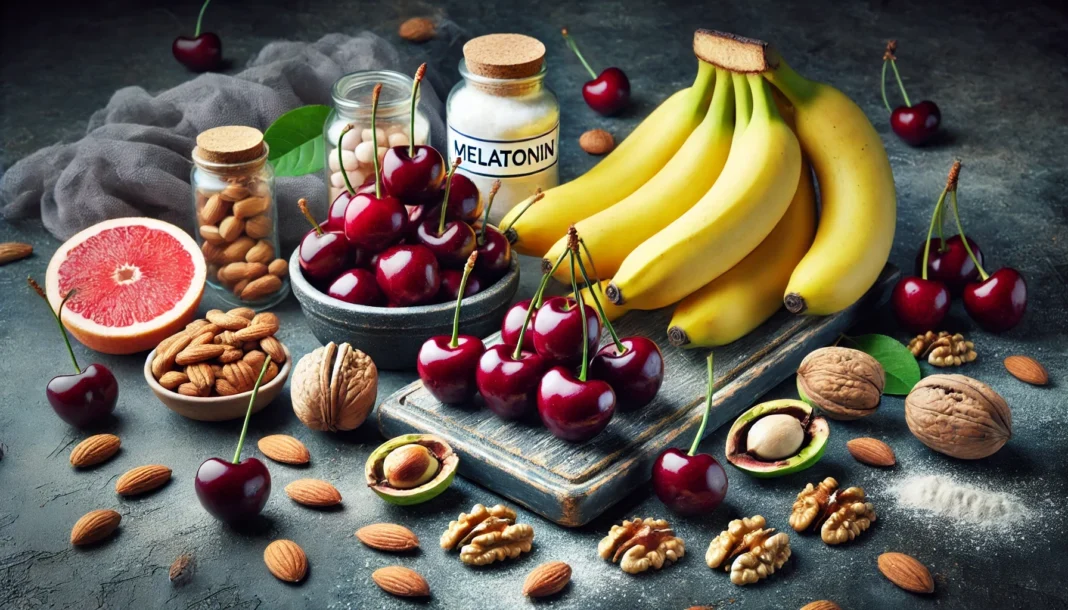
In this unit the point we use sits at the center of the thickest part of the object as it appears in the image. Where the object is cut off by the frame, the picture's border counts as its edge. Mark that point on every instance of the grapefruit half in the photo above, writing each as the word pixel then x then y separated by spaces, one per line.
pixel 137 281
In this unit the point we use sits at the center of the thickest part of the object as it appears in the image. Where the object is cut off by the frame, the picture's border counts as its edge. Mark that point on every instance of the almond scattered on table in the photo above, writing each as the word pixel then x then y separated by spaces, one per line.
pixel 547 579
pixel 597 142
pixel 12 251
pixel 181 570
pixel 401 581
pixel 314 493
pixel 822 604
pixel 388 537
pixel 284 449
pixel 906 572
pixel 95 450
pixel 142 479
pixel 417 29
pixel 871 451
pixel 1027 370
pixel 94 526
pixel 286 560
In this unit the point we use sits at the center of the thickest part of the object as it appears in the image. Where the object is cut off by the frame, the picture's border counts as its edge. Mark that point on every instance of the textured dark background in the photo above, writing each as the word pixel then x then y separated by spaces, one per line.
pixel 997 70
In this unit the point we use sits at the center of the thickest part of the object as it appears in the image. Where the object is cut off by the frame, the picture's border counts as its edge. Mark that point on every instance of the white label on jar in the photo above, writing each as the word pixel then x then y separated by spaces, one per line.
pixel 504 158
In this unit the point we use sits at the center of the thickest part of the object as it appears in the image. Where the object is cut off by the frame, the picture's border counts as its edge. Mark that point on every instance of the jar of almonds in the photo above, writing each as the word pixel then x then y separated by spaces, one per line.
pixel 233 196
pixel 352 105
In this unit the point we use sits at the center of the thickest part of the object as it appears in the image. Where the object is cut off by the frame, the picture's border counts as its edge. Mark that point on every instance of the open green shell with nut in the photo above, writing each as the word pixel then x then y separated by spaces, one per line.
pixel 438 477
pixel 795 431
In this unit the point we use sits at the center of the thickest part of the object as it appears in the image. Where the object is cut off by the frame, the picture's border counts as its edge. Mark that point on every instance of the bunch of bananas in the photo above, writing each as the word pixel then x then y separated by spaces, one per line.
pixel 711 203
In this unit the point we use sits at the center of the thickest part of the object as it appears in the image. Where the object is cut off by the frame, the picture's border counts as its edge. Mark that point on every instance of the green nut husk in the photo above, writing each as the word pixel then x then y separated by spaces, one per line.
pixel 439 450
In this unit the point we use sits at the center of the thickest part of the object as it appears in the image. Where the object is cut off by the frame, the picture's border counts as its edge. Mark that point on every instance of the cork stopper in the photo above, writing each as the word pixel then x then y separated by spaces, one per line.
pixel 230 144
pixel 504 56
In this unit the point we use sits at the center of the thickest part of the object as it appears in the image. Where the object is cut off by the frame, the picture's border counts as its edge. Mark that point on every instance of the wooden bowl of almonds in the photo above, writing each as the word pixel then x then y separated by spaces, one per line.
pixel 206 371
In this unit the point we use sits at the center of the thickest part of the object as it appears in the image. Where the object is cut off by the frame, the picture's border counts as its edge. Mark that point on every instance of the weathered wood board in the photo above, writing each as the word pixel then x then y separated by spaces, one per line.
pixel 572 484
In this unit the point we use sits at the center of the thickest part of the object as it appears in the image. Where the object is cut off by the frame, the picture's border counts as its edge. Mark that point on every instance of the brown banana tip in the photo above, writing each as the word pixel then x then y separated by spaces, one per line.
pixel 511 235
pixel 795 303
pixel 678 337
pixel 546 265
pixel 954 175
pixel 614 294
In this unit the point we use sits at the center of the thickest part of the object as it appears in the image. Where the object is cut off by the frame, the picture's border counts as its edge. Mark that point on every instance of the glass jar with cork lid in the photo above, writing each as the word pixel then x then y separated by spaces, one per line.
pixel 233 199
pixel 503 122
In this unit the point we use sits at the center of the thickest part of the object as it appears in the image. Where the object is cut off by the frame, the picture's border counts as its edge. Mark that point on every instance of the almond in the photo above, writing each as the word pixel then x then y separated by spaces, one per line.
pixel 191 390
pixel 278 267
pixel 273 348
pixel 199 353
pixel 94 450
pixel 256 331
pixel 12 251
pixel 214 210
pixel 597 142
pixel 235 252
pixel 231 227
pixel 240 375
pixel 822 604
pixel 252 206
pixel 212 252
pixel 1027 370
pixel 258 227
pixel 201 375
pixel 142 479
pixel 210 234
pixel 182 569
pixel 284 448
pixel 267 318
pixel 232 354
pixel 871 451
pixel 547 579
pixel 224 387
pixel 226 321
pixel 245 312
pixel 239 288
pixel 401 581
pixel 262 287
pixel 313 492
pixel 388 537
pixel 235 272
pixel 94 527
pixel 227 337
pixel 906 572
pixel 234 192
pixel 255 359
pixel 172 379
pixel 286 560
pixel 262 252
pixel 165 358
pixel 417 29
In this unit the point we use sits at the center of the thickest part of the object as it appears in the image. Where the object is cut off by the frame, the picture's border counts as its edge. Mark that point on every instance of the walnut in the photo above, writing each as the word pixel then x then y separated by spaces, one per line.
pixel 853 517
pixel 810 503
pixel 501 541
pixel 943 349
pixel 334 388
pixel 764 557
pixel 461 530
pixel 919 344
pixel 844 383
pixel 723 545
pixel 958 416
pixel 640 544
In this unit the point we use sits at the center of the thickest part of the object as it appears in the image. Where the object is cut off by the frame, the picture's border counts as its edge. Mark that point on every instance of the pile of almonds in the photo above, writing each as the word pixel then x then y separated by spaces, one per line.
pixel 239 239
pixel 220 355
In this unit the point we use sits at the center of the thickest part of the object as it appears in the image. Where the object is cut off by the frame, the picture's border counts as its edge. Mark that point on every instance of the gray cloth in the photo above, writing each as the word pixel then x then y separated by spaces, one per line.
pixel 135 157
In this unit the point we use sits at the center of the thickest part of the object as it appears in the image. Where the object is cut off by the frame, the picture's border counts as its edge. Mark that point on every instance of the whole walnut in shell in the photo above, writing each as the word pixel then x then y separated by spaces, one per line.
pixel 843 383
pixel 958 416
pixel 334 388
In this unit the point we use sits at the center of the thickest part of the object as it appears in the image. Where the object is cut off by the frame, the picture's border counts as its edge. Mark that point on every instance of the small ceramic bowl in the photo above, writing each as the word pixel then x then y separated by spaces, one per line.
pixel 218 408
pixel 392 336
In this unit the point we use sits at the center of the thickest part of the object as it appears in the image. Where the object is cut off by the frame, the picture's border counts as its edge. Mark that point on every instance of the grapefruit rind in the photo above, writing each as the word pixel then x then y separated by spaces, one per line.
pixel 140 336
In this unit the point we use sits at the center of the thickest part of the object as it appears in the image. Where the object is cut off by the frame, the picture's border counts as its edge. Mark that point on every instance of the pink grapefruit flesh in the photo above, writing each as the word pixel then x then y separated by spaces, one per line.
pixel 136 281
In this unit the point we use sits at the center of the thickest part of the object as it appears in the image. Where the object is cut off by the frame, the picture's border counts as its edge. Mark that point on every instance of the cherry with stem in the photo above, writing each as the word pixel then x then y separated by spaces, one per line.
pixel 322 253
pixel 237 490
pixel 691 483
pixel 447 365
pixel 913 124
pixel 203 51
pixel 414 172
pixel 90 394
pixel 494 251
pixel 920 303
pixel 607 92
pixel 948 259
pixel 451 241
pixel 335 218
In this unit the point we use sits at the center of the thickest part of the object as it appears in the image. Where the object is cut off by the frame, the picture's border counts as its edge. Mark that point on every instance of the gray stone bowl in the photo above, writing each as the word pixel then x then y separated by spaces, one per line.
pixel 392 336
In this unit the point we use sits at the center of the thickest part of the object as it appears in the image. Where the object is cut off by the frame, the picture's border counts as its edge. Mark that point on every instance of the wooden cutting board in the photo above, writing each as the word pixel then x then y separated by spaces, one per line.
pixel 572 484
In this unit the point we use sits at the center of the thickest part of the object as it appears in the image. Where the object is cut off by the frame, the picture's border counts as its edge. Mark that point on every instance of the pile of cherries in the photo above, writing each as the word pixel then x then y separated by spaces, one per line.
pixel 401 238
pixel 954 266
pixel 544 364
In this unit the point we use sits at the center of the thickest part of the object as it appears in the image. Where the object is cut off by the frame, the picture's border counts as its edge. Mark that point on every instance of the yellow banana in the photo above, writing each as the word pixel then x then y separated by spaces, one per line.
pixel 735 215
pixel 858 202
pixel 614 232
pixel 741 299
pixel 623 171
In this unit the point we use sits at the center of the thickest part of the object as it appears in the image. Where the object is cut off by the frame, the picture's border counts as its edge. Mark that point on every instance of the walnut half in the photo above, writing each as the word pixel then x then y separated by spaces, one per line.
pixel 810 503
pixel 722 546
pixel 499 541
pixel 640 544
pixel 841 515
pixel 462 530
pixel 763 558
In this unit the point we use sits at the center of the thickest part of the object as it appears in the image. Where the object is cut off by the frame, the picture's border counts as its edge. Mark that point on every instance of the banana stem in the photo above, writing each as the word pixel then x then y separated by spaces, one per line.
pixel 455 341
pixel 708 409
pixel 967 248
pixel 248 413
pixel 535 303
pixel 882 87
pixel 600 308
pixel 340 159
pixel 582 315
pixel 930 232
pixel 575 50
pixel 743 105
pixel 901 85
pixel 529 203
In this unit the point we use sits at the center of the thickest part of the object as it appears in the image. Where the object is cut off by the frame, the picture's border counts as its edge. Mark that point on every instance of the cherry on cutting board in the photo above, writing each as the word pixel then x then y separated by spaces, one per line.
pixel 447 364
pixel 494 251
pixel 90 394
pixel 451 241
pixel 920 303
pixel 414 172
pixel 507 378
pixel 408 274
pixel 607 93
pixel 691 483
pixel 356 286
pixel 200 53
pixel 322 253
pixel 236 490
pixel 915 124
pixel 513 324
pixel 949 263
pixel 563 330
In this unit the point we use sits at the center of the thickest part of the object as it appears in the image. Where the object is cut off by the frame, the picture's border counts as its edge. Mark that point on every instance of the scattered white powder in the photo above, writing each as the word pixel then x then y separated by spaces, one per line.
pixel 963 503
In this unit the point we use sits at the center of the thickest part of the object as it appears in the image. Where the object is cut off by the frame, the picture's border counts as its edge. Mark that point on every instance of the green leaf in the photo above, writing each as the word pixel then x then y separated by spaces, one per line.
pixel 296 141
pixel 902 370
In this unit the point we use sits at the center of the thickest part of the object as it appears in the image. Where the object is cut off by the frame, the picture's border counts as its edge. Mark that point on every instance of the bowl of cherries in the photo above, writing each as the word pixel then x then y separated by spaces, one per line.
pixel 384 269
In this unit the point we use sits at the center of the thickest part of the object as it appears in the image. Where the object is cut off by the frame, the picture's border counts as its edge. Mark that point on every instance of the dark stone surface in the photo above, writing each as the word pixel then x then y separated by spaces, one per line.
pixel 999 75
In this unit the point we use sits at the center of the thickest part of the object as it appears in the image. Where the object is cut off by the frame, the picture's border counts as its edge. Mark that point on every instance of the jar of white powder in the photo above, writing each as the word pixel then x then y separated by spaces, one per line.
pixel 503 122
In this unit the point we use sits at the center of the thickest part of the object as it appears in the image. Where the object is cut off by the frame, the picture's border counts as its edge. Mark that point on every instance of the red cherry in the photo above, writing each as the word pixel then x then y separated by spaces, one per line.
pixel 607 93
pixel 413 173
pixel 953 267
pixel 200 53
pixel 997 303
pixel 452 246
pixel 513 322
pixel 322 254
pixel 920 304
pixel 373 223
pixel 916 125
pixel 335 216
pixel 494 254
pixel 450 285
pixel 634 374
pixel 356 286
pixel 465 202
pixel 558 331
pixel 509 382
pixel 408 275
pixel 448 365
pixel 233 492
pixel 573 409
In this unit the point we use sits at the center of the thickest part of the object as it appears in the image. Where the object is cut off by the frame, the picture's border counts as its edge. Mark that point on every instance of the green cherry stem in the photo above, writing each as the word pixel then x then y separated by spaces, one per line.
pixel 960 230
pixel 882 86
pixel 535 303
pixel 374 139
pixel 303 205
pixel 930 232
pixel 582 314
pixel 340 159
pixel 536 198
pixel 901 85
pixel 485 215
pixel 593 267
pixel 445 203
pixel 545 279
pixel 200 17
pixel 708 408
pixel 418 78
pixel 600 308
pixel 248 413
pixel 460 298
pixel 574 49
pixel 58 316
